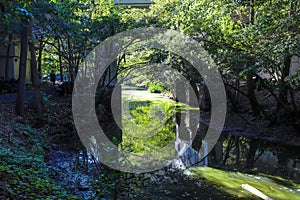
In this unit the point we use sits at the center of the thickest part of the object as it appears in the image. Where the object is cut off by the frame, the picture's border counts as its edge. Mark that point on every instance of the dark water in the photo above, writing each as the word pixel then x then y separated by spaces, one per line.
pixel 73 166
pixel 82 174
pixel 79 171
pixel 257 156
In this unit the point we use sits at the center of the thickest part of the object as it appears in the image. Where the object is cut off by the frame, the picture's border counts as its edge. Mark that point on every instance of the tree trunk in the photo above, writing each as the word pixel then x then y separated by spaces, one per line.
pixel 20 103
pixel 219 152
pixel 250 82
pixel 233 99
pixel 70 60
pixel 252 12
pixel 196 91
pixel 35 79
pixel 39 60
pixel 251 94
pixel 237 151
pixel 283 90
pixel 60 62
pixel 253 145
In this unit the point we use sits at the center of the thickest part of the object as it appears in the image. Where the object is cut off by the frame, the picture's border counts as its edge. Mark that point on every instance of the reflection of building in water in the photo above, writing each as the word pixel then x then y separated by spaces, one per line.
pixel 186 129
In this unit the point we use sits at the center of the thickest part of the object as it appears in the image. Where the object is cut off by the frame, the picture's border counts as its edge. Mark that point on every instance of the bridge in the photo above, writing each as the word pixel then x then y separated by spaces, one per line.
pixel 135 3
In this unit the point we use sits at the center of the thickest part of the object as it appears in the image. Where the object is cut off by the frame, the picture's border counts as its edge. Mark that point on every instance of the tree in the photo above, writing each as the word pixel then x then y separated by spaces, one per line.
pixel 19 14
pixel 35 77
pixel 20 102
pixel 249 40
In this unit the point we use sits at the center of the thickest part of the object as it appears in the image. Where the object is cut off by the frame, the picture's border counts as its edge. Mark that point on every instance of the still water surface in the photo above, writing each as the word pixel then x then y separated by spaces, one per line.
pixel 149 122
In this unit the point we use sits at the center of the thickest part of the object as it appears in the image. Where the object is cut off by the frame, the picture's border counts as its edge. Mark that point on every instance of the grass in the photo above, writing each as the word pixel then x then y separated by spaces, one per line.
pixel 144 95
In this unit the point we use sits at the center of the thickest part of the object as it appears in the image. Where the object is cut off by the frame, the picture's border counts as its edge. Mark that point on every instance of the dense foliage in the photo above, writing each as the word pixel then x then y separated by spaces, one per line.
pixel 252 42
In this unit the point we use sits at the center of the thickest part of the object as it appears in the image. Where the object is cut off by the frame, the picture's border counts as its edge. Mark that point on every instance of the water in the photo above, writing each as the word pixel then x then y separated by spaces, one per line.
pixel 257 156
pixel 151 121
pixel 73 166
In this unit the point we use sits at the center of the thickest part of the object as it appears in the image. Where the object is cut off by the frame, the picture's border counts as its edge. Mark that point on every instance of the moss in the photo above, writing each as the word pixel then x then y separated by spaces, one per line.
pixel 231 182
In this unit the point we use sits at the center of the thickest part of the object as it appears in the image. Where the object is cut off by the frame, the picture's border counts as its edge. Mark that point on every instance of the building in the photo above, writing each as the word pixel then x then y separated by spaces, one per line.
pixel 10 61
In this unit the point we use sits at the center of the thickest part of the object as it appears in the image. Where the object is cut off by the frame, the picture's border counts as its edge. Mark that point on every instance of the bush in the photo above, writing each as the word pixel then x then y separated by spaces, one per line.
pixel 156 87
pixel 66 88
pixel 8 86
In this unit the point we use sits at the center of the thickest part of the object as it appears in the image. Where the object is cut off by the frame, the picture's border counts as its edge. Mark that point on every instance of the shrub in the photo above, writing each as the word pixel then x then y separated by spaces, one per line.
pixel 156 87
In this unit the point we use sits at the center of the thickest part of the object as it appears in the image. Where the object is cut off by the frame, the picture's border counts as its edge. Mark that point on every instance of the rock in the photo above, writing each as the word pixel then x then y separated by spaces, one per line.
pixel 83 187
pixel 167 192
pixel 26 134
pixel 175 181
